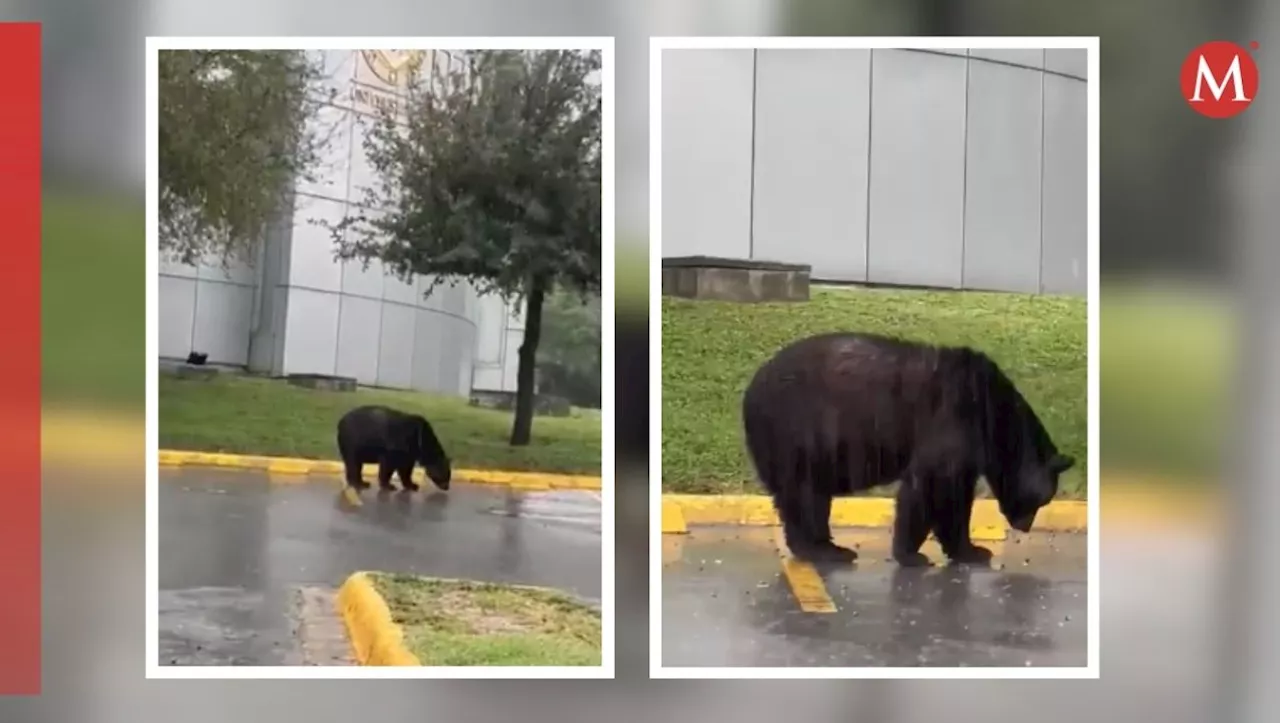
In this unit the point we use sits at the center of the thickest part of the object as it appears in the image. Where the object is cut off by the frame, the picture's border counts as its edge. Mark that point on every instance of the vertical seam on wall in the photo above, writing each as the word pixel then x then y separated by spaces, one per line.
pixel 337 333
pixel 195 310
pixel 284 269
pixel 751 202
pixel 346 207
pixel 1040 257
pixel 866 241
pixel 351 130
pixel 382 324
pixel 504 347
pixel 964 172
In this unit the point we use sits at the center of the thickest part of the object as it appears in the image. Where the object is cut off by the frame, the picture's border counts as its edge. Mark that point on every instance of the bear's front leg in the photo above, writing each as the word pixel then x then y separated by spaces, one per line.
pixel 405 473
pixel 911 523
pixel 952 502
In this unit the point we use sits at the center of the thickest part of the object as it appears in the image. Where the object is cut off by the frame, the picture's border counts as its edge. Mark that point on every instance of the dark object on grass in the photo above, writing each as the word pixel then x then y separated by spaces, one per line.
pixel 838 413
pixel 197 358
pixel 396 441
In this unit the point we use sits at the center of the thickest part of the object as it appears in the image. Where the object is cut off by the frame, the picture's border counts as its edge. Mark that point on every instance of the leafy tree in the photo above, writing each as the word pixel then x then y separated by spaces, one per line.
pixel 234 137
pixel 569 364
pixel 490 172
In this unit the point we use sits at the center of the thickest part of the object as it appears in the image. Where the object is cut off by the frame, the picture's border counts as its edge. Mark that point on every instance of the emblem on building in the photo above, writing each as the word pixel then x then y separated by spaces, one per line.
pixel 392 66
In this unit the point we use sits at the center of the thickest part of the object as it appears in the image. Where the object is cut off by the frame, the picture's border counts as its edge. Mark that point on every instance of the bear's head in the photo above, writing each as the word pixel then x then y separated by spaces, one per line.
pixel 431 455
pixel 439 470
pixel 1035 486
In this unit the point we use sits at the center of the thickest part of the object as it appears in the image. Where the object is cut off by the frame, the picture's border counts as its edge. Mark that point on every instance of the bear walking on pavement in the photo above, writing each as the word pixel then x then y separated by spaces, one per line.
pixel 396 441
pixel 838 413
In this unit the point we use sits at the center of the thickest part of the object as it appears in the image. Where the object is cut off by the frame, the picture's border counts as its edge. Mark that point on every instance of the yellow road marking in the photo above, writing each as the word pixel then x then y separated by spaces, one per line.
pixel 352 497
pixel 806 584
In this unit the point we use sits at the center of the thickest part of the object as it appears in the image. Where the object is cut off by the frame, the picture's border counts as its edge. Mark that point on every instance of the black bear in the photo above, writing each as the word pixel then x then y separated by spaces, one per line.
pixel 837 413
pixel 396 441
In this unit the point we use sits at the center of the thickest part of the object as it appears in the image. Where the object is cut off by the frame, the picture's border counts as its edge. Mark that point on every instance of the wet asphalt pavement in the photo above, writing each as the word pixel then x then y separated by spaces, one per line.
pixel 236 549
pixel 727 602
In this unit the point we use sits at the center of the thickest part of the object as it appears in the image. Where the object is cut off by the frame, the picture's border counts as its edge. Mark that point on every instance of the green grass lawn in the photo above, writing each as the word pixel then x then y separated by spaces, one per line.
pixel 253 415
pixel 711 349
pixel 453 622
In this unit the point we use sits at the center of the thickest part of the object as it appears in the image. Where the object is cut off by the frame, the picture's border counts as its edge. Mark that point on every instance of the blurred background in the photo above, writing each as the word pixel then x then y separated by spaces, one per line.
pixel 1189 406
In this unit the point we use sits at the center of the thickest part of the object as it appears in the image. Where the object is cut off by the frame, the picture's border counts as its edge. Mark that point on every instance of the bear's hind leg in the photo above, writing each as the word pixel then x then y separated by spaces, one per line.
pixel 806 526
pixel 911 522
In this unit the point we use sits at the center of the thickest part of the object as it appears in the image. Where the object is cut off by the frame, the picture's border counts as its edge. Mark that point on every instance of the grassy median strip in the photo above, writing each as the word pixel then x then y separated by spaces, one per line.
pixel 257 416
pixel 711 349
pixel 458 622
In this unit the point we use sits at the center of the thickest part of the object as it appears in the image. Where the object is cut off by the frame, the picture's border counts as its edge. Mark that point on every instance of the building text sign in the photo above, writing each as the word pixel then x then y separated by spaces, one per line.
pixel 391 68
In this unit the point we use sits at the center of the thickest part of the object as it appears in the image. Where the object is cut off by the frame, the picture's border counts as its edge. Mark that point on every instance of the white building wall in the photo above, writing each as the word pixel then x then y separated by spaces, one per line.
pixel 959 168
pixel 319 315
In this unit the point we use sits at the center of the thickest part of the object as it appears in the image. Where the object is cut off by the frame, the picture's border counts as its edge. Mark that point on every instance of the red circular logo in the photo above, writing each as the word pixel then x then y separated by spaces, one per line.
pixel 1219 79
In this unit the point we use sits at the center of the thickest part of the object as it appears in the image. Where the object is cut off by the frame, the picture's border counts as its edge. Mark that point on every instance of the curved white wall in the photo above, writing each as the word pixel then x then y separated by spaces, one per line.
pixel 959 169
pixel 319 315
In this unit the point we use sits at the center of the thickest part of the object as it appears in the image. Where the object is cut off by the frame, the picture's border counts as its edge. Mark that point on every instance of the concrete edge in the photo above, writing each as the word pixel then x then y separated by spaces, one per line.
pixel 297 469
pixel 375 639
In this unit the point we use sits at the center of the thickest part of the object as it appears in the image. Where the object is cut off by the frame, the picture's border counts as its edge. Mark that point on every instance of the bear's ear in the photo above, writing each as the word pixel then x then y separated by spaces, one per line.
pixel 1061 463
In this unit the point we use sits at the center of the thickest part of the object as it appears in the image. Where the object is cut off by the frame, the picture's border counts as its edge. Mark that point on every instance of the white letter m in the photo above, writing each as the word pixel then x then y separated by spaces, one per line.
pixel 1205 75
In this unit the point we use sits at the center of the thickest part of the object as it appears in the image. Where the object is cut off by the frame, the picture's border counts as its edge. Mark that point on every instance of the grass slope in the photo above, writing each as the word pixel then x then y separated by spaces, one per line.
pixel 457 622
pixel 711 349
pixel 251 415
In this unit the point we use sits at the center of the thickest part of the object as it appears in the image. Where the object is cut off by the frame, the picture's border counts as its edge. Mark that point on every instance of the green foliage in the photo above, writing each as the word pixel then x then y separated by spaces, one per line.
pixel 493 174
pixel 234 137
pixel 569 360
pixel 711 349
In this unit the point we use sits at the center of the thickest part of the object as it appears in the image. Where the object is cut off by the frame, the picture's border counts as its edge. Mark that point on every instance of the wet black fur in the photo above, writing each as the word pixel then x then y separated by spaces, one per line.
pixel 839 413
pixel 396 441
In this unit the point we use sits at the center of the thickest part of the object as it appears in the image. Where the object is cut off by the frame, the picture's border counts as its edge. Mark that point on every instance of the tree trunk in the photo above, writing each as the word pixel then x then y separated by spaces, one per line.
pixel 522 428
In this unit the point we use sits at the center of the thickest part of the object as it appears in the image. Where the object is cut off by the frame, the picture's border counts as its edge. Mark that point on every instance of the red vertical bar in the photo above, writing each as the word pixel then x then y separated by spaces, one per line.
pixel 20 359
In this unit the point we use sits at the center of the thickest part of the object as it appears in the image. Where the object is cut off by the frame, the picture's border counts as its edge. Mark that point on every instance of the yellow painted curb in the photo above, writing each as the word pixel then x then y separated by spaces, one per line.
pixel 672 518
pixel 287 467
pixel 375 638
pixel 989 533
pixel 679 512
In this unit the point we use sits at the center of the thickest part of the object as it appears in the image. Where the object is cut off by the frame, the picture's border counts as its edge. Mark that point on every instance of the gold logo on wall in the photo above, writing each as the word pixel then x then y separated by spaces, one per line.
pixel 393 66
